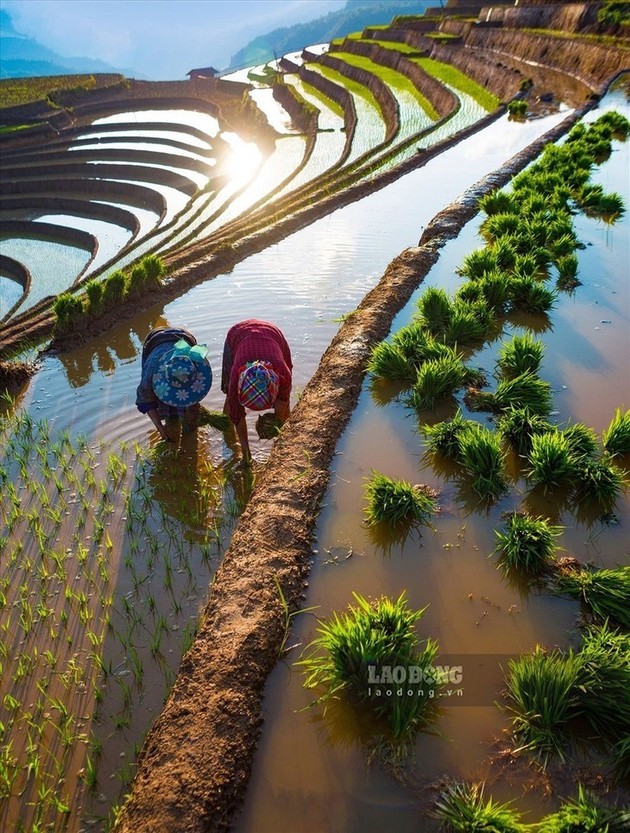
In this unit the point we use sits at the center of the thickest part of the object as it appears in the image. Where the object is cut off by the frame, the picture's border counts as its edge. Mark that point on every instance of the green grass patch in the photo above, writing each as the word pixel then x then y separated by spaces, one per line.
pixel 449 75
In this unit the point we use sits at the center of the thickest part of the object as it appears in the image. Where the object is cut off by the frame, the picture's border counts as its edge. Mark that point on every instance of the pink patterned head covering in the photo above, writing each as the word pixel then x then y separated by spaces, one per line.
pixel 258 386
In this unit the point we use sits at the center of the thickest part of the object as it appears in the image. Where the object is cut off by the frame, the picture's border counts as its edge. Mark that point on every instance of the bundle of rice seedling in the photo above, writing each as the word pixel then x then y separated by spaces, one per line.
pixel 463 808
pixel 464 327
pixel 606 593
pixel 603 692
pixel 483 460
pixel 518 426
pixel 495 290
pixel 616 438
pixel 499 225
pixel 582 440
pixel 551 462
pixel 387 361
pixel 598 482
pixel 268 426
pixel 542 696
pixel 435 380
pixel 506 250
pixel 418 346
pixel 585 814
pixel 531 296
pixel 396 502
pixel 522 354
pixel 352 648
pixel 478 263
pixel 498 202
pixel 567 270
pixel 620 759
pixel 214 419
pixel 527 543
pixel 444 437
pixel 523 391
pixel 434 309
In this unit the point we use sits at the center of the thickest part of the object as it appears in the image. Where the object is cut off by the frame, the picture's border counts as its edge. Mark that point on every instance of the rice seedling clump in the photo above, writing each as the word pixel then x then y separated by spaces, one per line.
pixel 598 482
pixel 522 354
pixel 551 462
pixel 585 813
pixel 518 426
pixel 616 437
pixel 396 502
pixel 483 459
pixel 606 593
pixel 355 651
pixel 526 544
pixel 464 807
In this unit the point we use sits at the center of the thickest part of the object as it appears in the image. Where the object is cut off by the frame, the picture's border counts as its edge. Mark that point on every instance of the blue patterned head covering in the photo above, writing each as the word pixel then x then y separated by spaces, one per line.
pixel 183 376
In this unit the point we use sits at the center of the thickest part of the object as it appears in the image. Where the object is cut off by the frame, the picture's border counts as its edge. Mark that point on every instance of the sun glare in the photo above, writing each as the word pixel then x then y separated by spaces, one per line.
pixel 243 159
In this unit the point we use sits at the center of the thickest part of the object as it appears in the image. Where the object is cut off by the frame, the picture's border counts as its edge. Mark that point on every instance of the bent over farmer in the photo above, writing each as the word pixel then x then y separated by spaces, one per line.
pixel 256 375
pixel 175 377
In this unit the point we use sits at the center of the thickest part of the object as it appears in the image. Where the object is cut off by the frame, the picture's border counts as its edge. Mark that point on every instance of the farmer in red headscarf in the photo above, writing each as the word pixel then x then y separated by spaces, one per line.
pixel 256 374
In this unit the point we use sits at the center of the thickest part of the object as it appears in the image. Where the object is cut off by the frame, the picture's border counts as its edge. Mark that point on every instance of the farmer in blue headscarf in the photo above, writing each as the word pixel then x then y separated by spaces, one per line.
pixel 176 376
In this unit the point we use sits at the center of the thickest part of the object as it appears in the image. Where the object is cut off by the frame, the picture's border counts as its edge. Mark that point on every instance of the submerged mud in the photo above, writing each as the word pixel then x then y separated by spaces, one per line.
pixel 195 764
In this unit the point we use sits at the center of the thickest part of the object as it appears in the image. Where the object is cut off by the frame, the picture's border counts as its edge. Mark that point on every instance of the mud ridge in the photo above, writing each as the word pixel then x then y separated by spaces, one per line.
pixel 195 764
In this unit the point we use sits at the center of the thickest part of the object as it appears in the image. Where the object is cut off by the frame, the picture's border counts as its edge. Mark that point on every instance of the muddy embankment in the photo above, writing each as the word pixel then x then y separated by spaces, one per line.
pixel 305 118
pixel 195 763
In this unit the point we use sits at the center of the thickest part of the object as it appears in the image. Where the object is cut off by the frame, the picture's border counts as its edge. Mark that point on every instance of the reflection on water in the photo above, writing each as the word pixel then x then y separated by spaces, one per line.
pixel 312 770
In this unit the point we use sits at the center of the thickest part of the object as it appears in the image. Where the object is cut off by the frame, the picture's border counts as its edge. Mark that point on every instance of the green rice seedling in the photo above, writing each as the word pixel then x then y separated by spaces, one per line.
pixel 498 225
pixel 154 269
pixel 351 649
pixel 522 354
pixel 114 289
pixel 495 290
pixel 478 263
pixel 525 391
pixel 68 310
pixel 604 683
pixel 517 108
pixel 463 808
pixel 541 695
pixel 616 438
pixel 387 361
pixel 435 380
pixel 498 202
pixel 551 463
pixel 94 292
pixel 214 419
pixel 585 814
pixel 526 544
pixel 598 482
pixel 464 327
pixel 592 200
pixel 395 502
pixel 469 292
pixel 582 440
pixel 518 425
pixel 530 295
pixel 434 309
pixel 620 759
pixel 417 345
pixel 606 593
pixel 567 271
pixel 483 459
pixel 444 437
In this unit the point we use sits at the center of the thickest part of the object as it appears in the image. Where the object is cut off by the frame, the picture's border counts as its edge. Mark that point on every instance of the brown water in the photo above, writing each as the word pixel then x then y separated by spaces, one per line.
pixel 312 773
pixel 185 502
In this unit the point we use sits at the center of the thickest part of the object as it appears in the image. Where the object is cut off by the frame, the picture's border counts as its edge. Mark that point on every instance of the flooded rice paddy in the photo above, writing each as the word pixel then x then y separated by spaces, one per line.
pixel 107 618
pixel 315 771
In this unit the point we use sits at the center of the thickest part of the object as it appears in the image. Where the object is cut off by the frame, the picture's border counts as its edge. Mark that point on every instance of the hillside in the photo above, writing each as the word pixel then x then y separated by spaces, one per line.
pixel 356 15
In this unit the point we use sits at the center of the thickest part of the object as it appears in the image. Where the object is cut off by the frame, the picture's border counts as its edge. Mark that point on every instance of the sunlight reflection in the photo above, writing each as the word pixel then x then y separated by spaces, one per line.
pixel 243 161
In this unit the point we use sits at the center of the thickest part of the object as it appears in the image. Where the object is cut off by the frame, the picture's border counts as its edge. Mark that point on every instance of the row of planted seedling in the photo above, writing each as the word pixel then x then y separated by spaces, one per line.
pixel 101 579
pixel 550 696
pixel 102 296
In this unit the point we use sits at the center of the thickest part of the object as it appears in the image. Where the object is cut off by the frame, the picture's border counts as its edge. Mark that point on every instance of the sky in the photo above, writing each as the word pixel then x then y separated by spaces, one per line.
pixel 157 39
